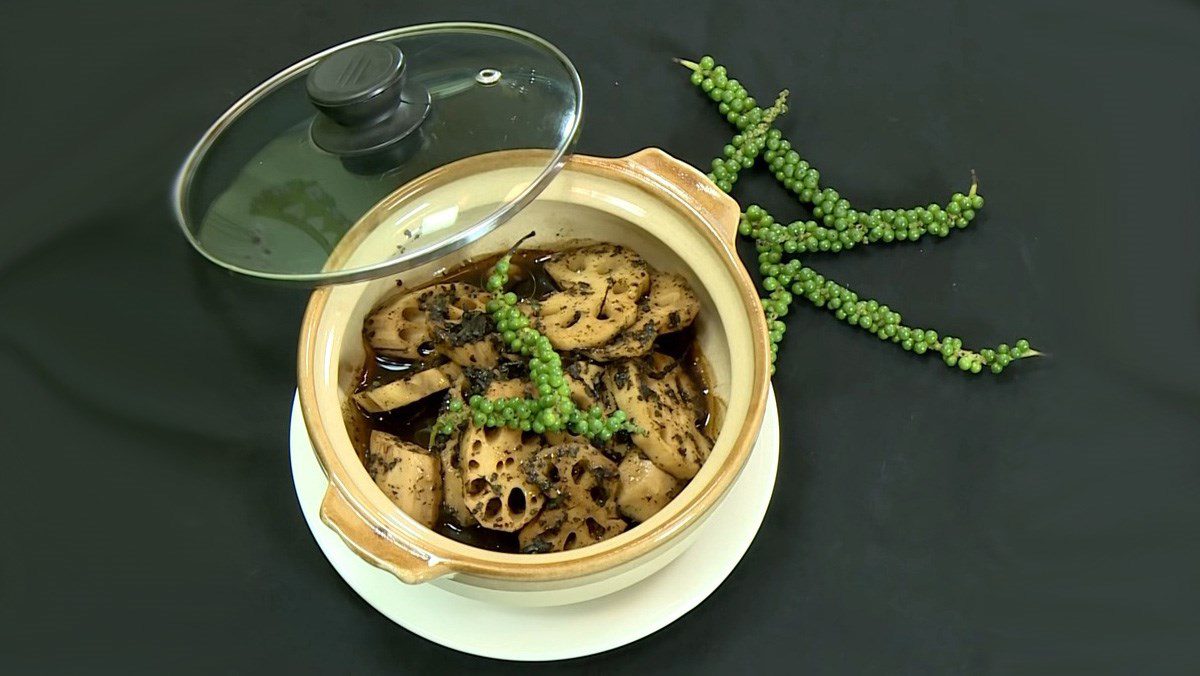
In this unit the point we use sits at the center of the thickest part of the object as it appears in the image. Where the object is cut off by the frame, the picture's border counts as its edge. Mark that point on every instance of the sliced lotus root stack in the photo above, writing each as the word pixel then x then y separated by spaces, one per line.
pixel 463 330
pixel 410 477
pixel 601 285
pixel 581 488
pixel 663 402
pixel 667 307
pixel 603 263
pixel 644 489
pixel 408 326
pixel 496 489
pixel 399 328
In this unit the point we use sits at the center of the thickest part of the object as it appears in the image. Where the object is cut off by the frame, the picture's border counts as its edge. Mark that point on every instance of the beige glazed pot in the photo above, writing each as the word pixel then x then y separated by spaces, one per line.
pixel 662 208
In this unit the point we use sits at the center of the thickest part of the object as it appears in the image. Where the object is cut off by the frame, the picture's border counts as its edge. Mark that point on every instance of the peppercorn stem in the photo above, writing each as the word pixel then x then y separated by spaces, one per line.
pixel 690 65
pixel 778 108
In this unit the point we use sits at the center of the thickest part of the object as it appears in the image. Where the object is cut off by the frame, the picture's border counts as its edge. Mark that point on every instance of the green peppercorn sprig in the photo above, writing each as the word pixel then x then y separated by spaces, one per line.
pixel 552 409
pixel 785 281
pixel 807 236
pixel 841 226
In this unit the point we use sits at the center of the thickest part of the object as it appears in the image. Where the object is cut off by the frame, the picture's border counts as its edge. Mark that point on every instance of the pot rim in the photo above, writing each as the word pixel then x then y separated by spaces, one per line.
pixel 662 177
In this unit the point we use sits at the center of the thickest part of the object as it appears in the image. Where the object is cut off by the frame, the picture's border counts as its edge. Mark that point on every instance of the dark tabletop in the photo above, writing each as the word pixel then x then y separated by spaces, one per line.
pixel 924 521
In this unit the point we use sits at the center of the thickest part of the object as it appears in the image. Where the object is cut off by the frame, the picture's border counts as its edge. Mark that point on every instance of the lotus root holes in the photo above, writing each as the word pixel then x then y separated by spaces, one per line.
pixel 492 508
pixel 477 486
pixel 598 494
pixel 594 528
pixel 516 501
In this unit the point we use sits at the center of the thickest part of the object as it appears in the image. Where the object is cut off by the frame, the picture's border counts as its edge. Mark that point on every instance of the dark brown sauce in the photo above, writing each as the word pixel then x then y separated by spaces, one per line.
pixel 414 423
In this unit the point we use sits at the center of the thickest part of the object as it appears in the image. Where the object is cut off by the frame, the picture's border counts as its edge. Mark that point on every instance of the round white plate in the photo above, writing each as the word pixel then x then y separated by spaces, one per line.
pixel 559 632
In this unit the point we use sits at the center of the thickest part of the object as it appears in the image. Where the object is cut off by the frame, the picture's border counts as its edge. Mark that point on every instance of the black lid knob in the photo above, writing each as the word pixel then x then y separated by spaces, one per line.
pixel 365 103
pixel 358 84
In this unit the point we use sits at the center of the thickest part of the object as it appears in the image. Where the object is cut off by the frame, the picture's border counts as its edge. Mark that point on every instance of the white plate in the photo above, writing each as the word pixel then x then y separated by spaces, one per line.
pixel 559 632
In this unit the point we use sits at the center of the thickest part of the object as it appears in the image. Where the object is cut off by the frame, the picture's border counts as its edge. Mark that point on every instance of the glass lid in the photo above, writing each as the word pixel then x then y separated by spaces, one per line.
pixel 276 183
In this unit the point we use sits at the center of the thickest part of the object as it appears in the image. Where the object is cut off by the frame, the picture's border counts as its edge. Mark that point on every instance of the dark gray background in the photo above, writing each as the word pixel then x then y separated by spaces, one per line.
pixel 924 521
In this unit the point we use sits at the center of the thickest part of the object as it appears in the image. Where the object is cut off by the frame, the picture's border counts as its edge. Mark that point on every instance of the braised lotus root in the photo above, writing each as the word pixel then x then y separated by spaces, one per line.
pixel 408 475
pixel 462 328
pixel 601 285
pixel 449 318
pixel 580 486
pixel 586 381
pixel 664 400
pixel 667 307
pixel 496 489
pixel 405 391
pixel 454 504
pixel 645 488
pixel 441 370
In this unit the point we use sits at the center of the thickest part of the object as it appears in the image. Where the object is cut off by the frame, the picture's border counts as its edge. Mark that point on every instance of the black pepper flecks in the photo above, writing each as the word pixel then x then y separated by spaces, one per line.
pixel 474 326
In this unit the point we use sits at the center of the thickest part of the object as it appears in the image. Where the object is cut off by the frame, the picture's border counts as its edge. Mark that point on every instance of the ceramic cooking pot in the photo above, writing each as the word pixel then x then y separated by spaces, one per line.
pixel 668 212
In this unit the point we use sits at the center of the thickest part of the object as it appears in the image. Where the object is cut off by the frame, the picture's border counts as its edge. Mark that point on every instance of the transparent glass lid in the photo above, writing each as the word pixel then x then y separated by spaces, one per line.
pixel 276 183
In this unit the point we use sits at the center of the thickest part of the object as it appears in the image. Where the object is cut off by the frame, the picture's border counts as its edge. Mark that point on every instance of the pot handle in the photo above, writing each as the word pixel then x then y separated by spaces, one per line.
pixel 693 187
pixel 374 546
